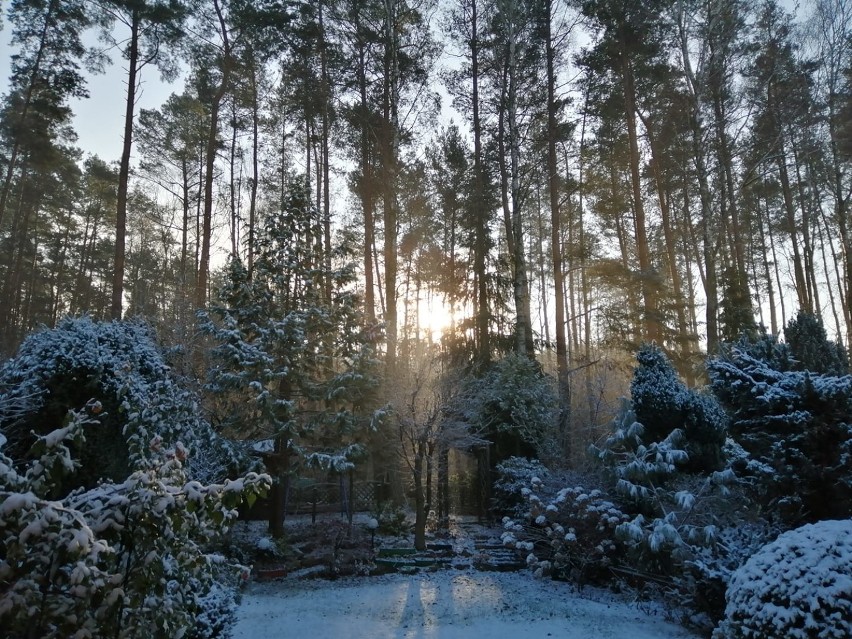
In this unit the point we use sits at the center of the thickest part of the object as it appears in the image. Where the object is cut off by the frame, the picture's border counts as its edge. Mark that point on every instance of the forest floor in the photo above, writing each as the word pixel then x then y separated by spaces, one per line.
pixel 470 598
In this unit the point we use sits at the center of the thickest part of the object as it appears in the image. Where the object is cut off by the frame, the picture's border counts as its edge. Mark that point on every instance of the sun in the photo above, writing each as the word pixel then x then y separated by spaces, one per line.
pixel 436 317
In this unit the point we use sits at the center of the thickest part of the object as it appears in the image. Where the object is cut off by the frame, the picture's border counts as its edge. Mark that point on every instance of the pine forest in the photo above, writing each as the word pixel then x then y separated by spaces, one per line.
pixel 577 272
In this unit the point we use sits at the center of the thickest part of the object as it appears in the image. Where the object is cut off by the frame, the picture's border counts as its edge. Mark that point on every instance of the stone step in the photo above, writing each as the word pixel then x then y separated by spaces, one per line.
pixel 397 552
pixel 499 566
pixel 469 546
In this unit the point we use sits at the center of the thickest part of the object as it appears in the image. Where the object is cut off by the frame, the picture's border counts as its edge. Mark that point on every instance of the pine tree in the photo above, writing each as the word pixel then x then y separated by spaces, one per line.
pixel 736 317
pixel 153 25
pixel 295 367
pixel 811 349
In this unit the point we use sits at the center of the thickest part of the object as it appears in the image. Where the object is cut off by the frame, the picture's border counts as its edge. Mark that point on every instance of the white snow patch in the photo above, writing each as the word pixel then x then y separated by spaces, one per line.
pixel 264 543
pixel 445 605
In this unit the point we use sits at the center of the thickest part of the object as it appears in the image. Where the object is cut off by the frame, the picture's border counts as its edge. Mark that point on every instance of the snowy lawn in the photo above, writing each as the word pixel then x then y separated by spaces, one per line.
pixel 442 605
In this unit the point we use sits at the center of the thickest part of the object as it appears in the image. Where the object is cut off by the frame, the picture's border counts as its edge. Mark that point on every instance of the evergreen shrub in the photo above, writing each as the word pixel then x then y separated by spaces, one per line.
pixel 119 365
pixel 796 587
pixel 811 349
pixel 662 403
pixel 514 477
pixel 123 559
pixel 569 536
pixel 513 405
pixel 796 427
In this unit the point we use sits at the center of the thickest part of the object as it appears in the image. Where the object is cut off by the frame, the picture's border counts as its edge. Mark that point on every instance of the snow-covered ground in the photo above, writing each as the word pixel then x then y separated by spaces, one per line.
pixel 442 605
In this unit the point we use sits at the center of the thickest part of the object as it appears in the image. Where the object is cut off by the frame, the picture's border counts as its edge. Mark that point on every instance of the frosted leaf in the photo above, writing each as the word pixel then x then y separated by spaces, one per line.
pixel 684 499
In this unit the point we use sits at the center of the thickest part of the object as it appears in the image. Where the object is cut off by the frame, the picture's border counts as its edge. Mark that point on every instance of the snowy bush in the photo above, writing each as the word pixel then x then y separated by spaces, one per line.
pixel 797 587
pixel 580 527
pixel 657 394
pixel 662 403
pixel 700 584
pixel 811 349
pixel 673 512
pixel 512 405
pixel 391 519
pixel 515 476
pixel 121 559
pixel 638 468
pixel 566 532
pixel 119 365
pixel 216 610
pixel 794 424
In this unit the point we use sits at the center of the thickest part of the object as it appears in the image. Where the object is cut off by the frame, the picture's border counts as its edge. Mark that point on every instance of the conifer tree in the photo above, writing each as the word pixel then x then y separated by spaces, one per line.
pixel 153 26
pixel 295 367
pixel 794 424
pixel 811 349
pixel 662 403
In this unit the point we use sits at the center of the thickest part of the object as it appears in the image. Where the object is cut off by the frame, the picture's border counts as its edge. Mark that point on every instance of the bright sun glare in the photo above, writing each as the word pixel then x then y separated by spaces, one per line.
pixel 435 317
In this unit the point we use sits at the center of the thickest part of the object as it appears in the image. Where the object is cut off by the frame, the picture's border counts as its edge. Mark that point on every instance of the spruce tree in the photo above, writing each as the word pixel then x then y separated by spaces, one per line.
pixel 811 349
pixel 793 422
pixel 295 366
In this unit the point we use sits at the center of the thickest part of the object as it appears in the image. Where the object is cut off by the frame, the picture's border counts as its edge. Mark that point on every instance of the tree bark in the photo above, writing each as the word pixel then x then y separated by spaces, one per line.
pixel 124 171
pixel 563 379
pixel 648 284
pixel 480 213
pixel 366 190
pixel 709 235
pixel 207 220
pixel 520 278
pixel 255 172
pixel 25 108
pixel 419 499
pixel 389 162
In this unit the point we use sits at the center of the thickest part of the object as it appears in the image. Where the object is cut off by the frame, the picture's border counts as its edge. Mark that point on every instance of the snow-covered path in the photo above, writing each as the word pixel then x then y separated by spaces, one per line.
pixel 442 605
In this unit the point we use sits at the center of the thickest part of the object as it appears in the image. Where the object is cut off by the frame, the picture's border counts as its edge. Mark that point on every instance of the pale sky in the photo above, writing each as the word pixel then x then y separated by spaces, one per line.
pixel 99 120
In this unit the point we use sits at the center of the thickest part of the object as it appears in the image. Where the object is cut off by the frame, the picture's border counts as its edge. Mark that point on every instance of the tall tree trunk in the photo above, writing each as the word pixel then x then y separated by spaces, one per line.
pixel 480 212
pixel 25 107
pixel 829 287
pixel 564 381
pixel 14 283
pixel 520 278
pixel 56 276
pixel 709 234
pixel 443 487
pixel 731 204
pixel 419 498
pixel 772 244
pixel 651 321
pixel 663 195
pixel 124 170
pixel 326 160
pixel 184 232
pixel 280 488
pixel 501 158
pixel 389 162
pixel 232 163
pixel 366 190
pixel 212 135
pixel 255 172
pixel 804 300
pixel 767 276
